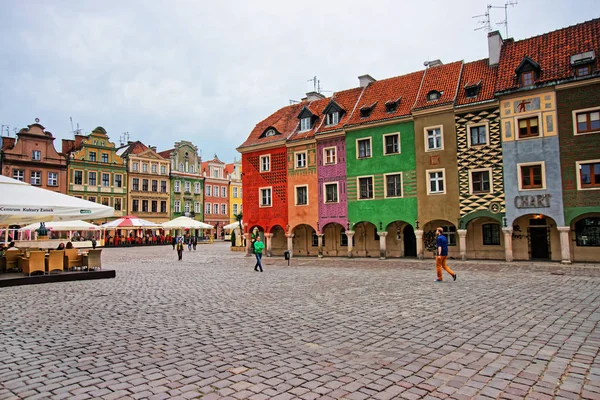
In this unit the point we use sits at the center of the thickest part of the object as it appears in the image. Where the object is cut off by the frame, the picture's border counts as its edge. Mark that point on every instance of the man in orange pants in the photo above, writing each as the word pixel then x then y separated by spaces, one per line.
pixel 441 244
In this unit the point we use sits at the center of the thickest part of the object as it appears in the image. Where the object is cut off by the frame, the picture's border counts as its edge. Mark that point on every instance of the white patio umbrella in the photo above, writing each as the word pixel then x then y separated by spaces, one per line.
pixel 233 225
pixel 185 222
pixel 63 226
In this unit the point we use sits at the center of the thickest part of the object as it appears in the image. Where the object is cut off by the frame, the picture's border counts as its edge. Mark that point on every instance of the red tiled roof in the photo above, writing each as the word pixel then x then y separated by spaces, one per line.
pixel 346 99
pixel 204 166
pixel 444 79
pixel 134 148
pixel 552 51
pixel 477 73
pixel 228 169
pixel 404 87
pixel 166 153
pixel 316 107
pixel 283 120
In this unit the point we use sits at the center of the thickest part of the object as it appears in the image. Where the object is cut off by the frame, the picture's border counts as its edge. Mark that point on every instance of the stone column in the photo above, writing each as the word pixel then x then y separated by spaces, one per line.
pixel 268 237
pixel 382 236
pixel 419 236
pixel 508 251
pixel 290 243
pixel 565 245
pixel 462 243
pixel 320 241
pixel 350 236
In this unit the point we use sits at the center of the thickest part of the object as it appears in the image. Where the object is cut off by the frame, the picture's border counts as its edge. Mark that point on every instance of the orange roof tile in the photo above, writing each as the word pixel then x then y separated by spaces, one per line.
pixel 552 51
pixel 316 107
pixel 166 153
pixel 403 87
pixel 444 79
pixel 477 72
pixel 346 99
pixel 284 121
pixel 228 169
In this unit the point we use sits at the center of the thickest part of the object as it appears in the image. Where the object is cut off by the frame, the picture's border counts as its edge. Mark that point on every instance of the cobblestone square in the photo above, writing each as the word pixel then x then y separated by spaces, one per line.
pixel 210 327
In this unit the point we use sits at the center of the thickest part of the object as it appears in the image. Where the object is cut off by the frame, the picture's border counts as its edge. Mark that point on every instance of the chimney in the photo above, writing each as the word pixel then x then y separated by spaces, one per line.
pixel 8 142
pixel 364 80
pixel 67 145
pixel 153 148
pixel 434 63
pixel 311 96
pixel 494 46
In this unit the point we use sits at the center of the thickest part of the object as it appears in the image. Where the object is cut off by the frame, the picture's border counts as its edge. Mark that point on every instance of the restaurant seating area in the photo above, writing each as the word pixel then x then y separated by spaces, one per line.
pixel 32 261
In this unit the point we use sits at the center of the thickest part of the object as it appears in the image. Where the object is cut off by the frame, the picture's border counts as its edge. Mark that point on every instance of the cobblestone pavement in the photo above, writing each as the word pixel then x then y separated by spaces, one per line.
pixel 210 327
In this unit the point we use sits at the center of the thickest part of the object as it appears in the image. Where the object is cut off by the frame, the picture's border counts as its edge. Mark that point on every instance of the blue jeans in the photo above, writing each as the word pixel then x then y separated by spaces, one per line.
pixel 258 263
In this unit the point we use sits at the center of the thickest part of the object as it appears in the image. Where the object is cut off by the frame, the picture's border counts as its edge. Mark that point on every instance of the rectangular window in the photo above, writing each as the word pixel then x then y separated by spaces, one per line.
pixel 491 234
pixel 144 185
pixel 163 170
pixel 235 208
pixel 36 155
pixel 154 185
pixel 587 232
pixel 177 206
pixel 436 181
pixel 145 206
pixel 177 187
pixel 583 70
pixel 301 160
pixel 215 191
pixel 35 178
pixel 333 118
pixel 105 180
pixel 135 184
pixel 118 180
pixel 478 135
pixel 163 186
pixel 329 154
pixel 215 208
pixel 265 163
pixel 135 166
pixel 207 208
pixel 135 205
pixel 117 203
pixel 480 182
pixel 163 206
pixel 393 185
pixel 450 233
pixel 301 195
pixel 315 239
pixel 223 191
pixel 207 190
pixel 78 177
pixel 589 175
pixel 265 197
pixel 224 209
pixel 154 206
pixel 52 179
pixel 197 207
pixel 588 121
pixel 105 201
pixel 92 199
pixel 365 187
pixel 305 124
pixel 527 78
pixel 104 157
pixel 196 188
pixel 19 174
pixel 188 187
pixel 144 167
pixel 531 176
pixel 392 143
pixel 364 148
pixel 235 193
pixel 529 127
pixel 154 168
pixel 92 179
pixel 331 192
pixel 434 139
pixel 187 207
pixel 92 156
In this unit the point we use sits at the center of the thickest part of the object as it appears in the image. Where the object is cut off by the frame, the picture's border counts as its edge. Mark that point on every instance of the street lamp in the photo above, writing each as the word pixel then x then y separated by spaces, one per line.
pixel 417 223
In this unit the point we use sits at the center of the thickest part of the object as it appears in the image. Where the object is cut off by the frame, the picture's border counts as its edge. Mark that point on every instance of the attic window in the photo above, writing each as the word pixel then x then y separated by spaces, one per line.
pixel 527 78
pixel 333 118
pixel 434 95
pixel 472 89
pixel 333 113
pixel 391 106
pixel 528 71
pixel 365 111
pixel 305 124
pixel 583 58
pixel 270 132
pixel 583 70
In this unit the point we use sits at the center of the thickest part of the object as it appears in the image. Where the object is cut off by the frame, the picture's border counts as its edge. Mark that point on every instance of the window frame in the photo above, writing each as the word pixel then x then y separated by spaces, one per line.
pixel 223 209
pixel 55 184
pixel 95 178
pixel 154 185
pixel 145 167
pixel 299 153
pixel 145 185
pixel 483 235
pixel 485 124
pixel 154 206
pixel 135 166
pixel 332 118
pixel 177 206
pixel 426 137
pixel 92 159
pixel 208 190
pixel 20 174
pixel 261 164
pixel 34 153
pixel 177 186
pixel 135 205
pixel 337 191
pixel 104 156
pixel 370 139
pixel 187 187
pixel 260 202
pixel 207 208
pixel 118 203
pixel 428 180
pixel 584 111
pixel 358 178
pixel 197 188
pixel 305 124
pixel 490 176
pixel 163 170
pixel 397 134
pixel 385 186
pixel 527 73
pixel 216 208
pixel 102 180
pixel 579 241
pixel 580 185
pixel 528 136
pixel 163 186
pixel 135 184
pixel 325 149
pixel 529 164
pixel 296 187
pixel 118 183
pixel 163 207
pixel 224 192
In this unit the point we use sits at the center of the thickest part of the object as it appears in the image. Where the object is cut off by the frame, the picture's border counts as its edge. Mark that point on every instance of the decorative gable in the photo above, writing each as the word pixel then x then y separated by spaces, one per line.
pixel 365 111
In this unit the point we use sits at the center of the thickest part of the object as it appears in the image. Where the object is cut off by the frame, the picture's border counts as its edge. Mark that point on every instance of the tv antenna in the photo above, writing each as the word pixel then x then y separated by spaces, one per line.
pixel 294 101
pixel 124 138
pixel 485 21
pixel 5 128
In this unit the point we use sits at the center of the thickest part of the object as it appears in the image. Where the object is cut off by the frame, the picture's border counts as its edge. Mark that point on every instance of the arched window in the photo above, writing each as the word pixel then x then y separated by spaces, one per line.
pixel 587 231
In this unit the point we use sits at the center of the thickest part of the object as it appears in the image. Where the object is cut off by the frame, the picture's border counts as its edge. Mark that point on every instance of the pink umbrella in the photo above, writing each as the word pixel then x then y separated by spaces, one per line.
pixel 129 221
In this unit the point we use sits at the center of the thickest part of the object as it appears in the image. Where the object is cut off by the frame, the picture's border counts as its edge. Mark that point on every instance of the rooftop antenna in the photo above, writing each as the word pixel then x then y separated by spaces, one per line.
pixel 314 81
pixel 505 22
pixel 485 20
pixel 294 101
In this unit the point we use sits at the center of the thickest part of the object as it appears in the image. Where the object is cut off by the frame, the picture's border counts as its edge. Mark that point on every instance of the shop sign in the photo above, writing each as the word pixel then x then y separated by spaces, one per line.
pixel 533 201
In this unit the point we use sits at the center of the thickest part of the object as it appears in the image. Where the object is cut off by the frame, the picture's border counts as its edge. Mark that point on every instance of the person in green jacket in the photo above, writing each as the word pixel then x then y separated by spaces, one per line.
pixel 258 248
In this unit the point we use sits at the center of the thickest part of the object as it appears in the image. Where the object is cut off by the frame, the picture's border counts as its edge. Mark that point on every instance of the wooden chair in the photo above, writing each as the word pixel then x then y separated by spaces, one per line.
pixel 93 259
pixel 35 262
pixel 72 259
pixel 55 261
pixel 11 260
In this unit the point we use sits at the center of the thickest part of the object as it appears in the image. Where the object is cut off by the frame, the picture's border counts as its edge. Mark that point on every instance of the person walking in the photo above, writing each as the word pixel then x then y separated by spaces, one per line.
pixel 173 241
pixel 180 248
pixel 258 248
pixel 189 242
pixel 94 242
pixel 195 242
pixel 441 244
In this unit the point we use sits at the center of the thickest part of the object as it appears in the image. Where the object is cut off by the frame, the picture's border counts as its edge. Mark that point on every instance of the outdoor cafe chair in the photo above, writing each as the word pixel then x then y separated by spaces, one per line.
pixel 35 262
pixel 10 260
pixel 93 259
pixel 55 260
pixel 73 259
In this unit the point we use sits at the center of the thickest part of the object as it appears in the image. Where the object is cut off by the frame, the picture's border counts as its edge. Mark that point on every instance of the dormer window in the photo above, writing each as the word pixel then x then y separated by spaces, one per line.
pixel 305 124
pixel 528 71
pixel 472 89
pixel 527 78
pixel 333 118
pixel 583 70
pixel 365 111
pixel 270 132
pixel 582 63
pixel 306 118
pixel 391 105
pixel 434 95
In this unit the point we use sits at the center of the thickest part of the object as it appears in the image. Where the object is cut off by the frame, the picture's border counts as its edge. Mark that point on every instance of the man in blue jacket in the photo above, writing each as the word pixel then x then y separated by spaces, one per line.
pixel 441 244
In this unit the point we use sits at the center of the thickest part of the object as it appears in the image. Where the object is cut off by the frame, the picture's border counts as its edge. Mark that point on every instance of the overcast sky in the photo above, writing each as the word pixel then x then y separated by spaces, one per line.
pixel 208 71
